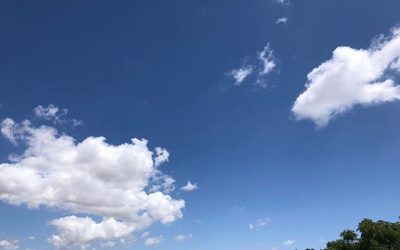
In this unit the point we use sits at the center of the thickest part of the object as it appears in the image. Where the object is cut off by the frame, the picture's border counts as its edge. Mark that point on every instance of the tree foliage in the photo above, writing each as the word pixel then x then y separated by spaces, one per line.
pixel 380 235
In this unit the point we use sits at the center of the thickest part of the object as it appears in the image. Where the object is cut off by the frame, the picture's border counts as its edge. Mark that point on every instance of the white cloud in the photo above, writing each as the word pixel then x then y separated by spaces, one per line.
pixel 76 231
pixel 108 244
pixel 153 240
pixel 189 187
pixel 237 209
pixel 32 237
pixel 240 74
pixel 145 234
pixel 260 223
pixel 49 113
pixel 8 245
pixel 261 66
pixel 163 183
pixel 282 2
pixel 267 59
pixel 54 114
pixel 281 20
pixel 351 77
pixel 288 242
pixel 8 130
pixel 116 180
pixel 162 156
pixel 183 237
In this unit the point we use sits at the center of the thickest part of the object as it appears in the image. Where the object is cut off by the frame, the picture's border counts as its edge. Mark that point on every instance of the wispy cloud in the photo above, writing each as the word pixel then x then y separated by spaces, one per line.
pixel 54 114
pixel 267 59
pixel 153 240
pixel 288 242
pixel 240 74
pixel 281 20
pixel 183 237
pixel 237 209
pixel 257 68
pixel 108 244
pixel 282 2
pixel 260 223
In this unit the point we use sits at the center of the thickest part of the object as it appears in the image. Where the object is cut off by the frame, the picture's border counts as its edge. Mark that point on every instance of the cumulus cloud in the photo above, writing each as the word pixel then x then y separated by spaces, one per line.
pixel 281 20
pixel 153 240
pixel 8 245
pixel 351 77
pixel 89 177
pixel 183 237
pixel 288 242
pixel 75 231
pixel 189 187
pixel 260 223
pixel 54 114
pixel 240 74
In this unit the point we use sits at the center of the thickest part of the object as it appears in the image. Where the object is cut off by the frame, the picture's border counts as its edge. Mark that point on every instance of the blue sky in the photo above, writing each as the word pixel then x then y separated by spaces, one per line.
pixel 277 165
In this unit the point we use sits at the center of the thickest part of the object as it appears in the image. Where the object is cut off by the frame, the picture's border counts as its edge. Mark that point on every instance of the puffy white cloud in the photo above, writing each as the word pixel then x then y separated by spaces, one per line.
pixel 90 177
pixel 189 187
pixel 55 114
pixel 8 245
pixel 183 237
pixel 288 242
pixel 260 223
pixel 76 231
pixel 281 20
pixel 351 77
pixel 240 74
pixel 153 240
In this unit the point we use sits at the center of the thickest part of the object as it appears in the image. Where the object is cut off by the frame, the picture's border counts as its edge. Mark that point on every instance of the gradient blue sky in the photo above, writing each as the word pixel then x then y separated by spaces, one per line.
pixel 160 70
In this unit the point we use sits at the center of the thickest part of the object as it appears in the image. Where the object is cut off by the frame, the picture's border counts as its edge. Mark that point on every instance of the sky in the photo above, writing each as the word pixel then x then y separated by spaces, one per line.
pixel 175 125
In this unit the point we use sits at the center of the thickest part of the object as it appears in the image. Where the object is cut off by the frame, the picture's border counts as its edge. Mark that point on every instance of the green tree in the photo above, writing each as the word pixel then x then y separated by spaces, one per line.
pixel 380 235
